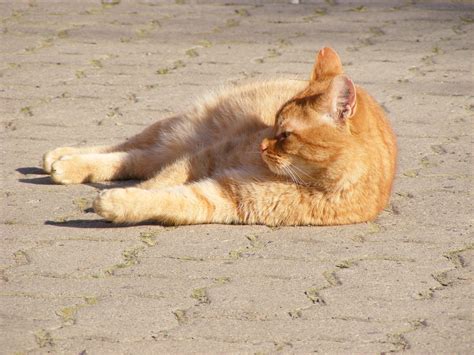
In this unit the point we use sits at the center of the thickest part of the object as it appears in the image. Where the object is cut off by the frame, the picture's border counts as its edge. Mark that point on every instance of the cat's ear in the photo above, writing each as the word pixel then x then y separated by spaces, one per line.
pixel 328 64
pixel 342 98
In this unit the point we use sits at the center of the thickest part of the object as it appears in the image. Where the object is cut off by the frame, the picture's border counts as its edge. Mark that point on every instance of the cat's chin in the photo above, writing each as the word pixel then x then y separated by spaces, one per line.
pixel 274 169
pixel 287 172
pixel 270 165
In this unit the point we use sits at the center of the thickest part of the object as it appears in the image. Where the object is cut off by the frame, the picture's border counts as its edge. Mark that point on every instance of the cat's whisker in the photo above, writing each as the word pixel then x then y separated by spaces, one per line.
pixel 287 174
pixel 300 181
pixel 293 176
pixel 301 171
pixel 284 168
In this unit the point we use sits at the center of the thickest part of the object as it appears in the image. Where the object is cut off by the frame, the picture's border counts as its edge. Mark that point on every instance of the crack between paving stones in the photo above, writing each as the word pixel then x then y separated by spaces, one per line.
pixel 398 339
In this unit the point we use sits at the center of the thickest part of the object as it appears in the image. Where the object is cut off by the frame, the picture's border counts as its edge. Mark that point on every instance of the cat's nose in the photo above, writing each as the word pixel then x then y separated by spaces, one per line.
pixel 264 145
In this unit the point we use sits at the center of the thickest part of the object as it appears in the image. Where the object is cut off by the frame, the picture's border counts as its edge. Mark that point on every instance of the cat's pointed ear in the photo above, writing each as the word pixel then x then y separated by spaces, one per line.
pixel 328 64
pixel 342 98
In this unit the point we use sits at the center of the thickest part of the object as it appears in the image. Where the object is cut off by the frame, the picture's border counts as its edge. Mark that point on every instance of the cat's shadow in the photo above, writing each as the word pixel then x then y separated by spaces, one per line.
pixel 95 224
pixel 79 223
pixel 31 170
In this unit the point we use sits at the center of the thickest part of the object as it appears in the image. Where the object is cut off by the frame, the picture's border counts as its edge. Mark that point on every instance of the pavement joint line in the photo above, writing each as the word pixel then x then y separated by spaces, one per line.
pixel 398 339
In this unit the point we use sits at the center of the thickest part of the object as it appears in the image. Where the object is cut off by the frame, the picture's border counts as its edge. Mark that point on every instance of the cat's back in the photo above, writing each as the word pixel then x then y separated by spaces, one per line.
pixel 228 113
pixel 377 136
pixel 373 124
pixel 252 101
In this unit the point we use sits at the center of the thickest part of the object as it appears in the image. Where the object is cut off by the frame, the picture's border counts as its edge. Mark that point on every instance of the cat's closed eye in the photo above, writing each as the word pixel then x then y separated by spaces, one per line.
pixel 282 136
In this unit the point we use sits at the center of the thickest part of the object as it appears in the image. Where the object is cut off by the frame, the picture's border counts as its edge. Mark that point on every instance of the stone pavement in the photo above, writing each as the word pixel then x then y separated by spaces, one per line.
pixel 78 72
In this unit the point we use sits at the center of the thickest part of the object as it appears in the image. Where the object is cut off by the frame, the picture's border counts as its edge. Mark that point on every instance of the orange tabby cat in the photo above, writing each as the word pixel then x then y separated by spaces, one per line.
pixel 276 153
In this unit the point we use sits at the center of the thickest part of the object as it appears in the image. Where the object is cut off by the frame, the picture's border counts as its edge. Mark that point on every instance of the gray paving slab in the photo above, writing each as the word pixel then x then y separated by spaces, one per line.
pixel 80 72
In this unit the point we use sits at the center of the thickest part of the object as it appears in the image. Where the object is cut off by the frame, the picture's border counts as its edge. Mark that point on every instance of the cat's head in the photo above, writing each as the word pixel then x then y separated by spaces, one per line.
pixel 312 130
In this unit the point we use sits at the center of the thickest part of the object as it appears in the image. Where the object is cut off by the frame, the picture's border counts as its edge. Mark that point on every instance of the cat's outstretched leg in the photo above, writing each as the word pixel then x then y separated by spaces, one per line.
pixel 248 200
pixel 135 164
pixel 50 157
pixel 201 202
pixel 95 167
pixel 150 136
pixel 237 199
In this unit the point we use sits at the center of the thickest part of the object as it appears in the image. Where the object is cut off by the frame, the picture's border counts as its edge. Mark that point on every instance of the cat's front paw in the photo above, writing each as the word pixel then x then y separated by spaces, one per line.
pixel 118 205
pixel 70 169
pixel 50 157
